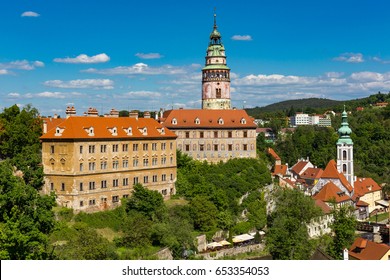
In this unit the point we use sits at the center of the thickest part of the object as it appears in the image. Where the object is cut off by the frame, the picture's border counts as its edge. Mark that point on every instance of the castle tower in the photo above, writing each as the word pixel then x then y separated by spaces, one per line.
pixel 215 74
pixel 345 150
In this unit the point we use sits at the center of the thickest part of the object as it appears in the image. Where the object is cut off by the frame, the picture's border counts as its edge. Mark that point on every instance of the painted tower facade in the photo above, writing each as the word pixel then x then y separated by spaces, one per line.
pixel 345 150
pixel 216 74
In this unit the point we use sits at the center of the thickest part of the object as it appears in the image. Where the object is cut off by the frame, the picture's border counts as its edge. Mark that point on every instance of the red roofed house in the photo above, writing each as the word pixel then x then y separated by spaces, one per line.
pixel 363 249
pixel 368 191
pixel 300 167
pixel 311 175
pixel 91 162
pixel 321 225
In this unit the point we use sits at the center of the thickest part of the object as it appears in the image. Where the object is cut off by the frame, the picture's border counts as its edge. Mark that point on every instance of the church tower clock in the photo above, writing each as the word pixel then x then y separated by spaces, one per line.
pixel 345 150
pixel 216 74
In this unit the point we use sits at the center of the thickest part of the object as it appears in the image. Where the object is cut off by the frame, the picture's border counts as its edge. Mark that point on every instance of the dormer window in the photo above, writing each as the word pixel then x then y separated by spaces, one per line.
pixel 197 121
pixel 59 131
pixel 143 130
pixel 243 121
pixel 129 131
pixel 162 131
pixel 113 131
pixel 220 121
pixel 91 131
pixel 174 121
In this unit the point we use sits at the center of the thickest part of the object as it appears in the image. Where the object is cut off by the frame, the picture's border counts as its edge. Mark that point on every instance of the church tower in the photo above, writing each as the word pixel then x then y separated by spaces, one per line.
pixel 345 150
pixel 216 74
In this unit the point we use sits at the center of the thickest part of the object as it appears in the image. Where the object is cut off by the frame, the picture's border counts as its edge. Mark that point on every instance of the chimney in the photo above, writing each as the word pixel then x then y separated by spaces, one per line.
pixel 92 112
pixel 147 115
pixel 44 127
pixel 133 114
pixel 55 116
pixel 70 111
pixel 114 113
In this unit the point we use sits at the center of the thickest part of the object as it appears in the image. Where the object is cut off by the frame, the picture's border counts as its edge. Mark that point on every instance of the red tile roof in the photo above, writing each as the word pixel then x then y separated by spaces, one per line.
pixel 299 166
pixel 331 172
pixel 199 118
pixel 273 154
pixel 312 173
pixel 365 185
pixel 52 122
pixel 363 249
pixel 324 207
pixel 280 169
pixel 104 128
pixel 331 192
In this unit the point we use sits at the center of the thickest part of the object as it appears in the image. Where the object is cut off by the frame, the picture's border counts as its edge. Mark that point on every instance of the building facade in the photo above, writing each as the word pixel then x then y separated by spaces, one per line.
pixel 93 162
pixel 213 135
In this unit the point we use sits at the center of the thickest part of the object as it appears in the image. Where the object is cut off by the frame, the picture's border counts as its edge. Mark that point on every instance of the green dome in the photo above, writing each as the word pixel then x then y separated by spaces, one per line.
pixel 344 131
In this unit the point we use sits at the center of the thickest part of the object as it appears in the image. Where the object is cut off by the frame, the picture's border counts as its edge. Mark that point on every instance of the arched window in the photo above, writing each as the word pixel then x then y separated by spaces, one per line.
pixel 344 168
pixel 218 93
pixel 344 155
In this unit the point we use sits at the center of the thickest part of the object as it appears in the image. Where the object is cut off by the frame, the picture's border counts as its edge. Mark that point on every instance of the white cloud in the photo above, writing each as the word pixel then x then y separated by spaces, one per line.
pixel 148 55
pixel 350 57
pixel 85 59
pixel 87 83
pixel 380 60
pixel 140 68
pixel 242 38
pixel 13 95
pixel 4 72
pixel 274 79
pixel 22 65
pixel 30 14
pixel 140 95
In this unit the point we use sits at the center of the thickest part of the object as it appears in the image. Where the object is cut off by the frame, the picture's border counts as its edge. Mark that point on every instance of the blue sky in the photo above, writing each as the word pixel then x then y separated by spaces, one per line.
pixel 148 55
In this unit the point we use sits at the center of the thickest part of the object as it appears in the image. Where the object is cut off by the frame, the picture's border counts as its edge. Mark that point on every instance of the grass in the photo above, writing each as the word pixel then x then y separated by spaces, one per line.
pixel 381 217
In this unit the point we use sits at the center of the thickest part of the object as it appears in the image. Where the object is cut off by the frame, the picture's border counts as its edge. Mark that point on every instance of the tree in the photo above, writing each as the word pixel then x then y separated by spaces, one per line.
pixel 288 238
pixel 343 228
pixel 204 213
pixel 147 202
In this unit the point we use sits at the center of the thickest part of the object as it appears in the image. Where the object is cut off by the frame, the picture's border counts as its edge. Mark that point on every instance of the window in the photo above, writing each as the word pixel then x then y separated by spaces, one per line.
pixel 145 146
pixel 135 147
pixel 91 149
pixel 52 186
pixel 81 203
pixel 344 155
pixel 154 146
pixel 163 160
pixel 52 149
pixel 125 196
pixel 215 147
pixel 135 162
pixel 103 184
pixel 171 176
pixel 171 160
pixel 115 148
pixel 344 168
pixel 187 147
pixel 230 134
pixel 218 93
pixel 201 134
pixel 125 181
pixel 164 192
pixel 245 134
pixel 81 167
pixel 115 164
pixel 62 186
pixel 146 162
pixel 154 161
pixel 92 202
pixel 91 166
pixel 163 146
pixel 171 145
pixel 146 179
pixel 91 185
pixel 81 186
pixel 154 178
pixel 103 165
pixel 201 147
pixel 215 134
pixel 115 198
pixel 208 147
pixel 125 163
pixel 245 147
pixel 103 148
pixel 125 147
pixel 81 149
pixel 164 177
pixel 115 183
pixel 230 147
pixel 135 180
pixel 187 134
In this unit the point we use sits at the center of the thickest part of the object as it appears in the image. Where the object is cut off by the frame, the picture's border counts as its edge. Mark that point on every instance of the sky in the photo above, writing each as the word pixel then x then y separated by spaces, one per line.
pixel 147 55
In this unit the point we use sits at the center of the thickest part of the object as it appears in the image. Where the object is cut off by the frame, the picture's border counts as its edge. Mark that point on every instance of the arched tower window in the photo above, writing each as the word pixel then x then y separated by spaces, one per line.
pixel 344 168
pixel 344 155
pixel 218 93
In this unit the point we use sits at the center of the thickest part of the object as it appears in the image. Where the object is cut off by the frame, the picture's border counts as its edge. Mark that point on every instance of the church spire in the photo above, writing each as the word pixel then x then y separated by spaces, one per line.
pixel 344 131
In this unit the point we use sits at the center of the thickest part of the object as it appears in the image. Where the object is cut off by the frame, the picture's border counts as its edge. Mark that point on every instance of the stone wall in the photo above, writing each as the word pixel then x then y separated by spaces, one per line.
pixel 231 251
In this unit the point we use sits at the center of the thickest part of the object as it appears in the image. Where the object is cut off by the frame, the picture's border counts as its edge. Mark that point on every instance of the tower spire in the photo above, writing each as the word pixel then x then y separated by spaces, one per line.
pixel 215 18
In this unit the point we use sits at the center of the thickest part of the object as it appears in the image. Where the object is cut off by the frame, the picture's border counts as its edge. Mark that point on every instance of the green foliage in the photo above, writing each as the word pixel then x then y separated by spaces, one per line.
pixel 204 213
pixel 110 218
pixel 343 228
pixel 287 237
pixel 65 214
pixel 147 202
pixel 26 218
pixel 84 243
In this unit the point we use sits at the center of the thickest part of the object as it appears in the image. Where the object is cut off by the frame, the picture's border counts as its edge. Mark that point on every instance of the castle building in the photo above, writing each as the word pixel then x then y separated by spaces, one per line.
pixel 91 162
pixel 216 132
